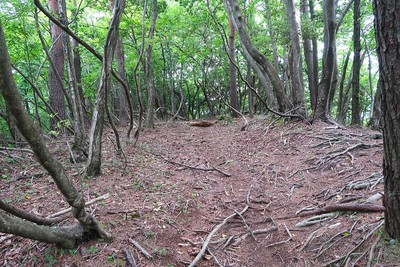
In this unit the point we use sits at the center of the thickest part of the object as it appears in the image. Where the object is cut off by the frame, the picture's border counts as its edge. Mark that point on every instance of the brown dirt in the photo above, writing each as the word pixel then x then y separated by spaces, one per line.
pixel 276 170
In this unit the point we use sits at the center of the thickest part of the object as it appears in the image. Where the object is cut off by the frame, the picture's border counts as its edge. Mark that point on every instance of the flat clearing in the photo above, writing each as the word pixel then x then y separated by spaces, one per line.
pixel 253 188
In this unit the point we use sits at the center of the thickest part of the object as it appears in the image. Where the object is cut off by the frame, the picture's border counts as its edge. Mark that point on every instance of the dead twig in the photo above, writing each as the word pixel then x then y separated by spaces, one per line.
pixel 140 248
pixel 210 235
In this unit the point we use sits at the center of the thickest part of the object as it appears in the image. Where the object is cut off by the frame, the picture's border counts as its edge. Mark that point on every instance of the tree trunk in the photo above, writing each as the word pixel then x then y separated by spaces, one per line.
pixel 96 130
pixel 79 144
pixel 387 27
pixel 341 106
pixel 296 65
pixel 57 57
pixel 119 56
pixel 232 71
pixel 237 18
pixel 63 236
pixel 328 79
pixel 376 118
pixel 308 57
pixel 314 42
pixel 355 96
pixel 149 122
pixel 272 36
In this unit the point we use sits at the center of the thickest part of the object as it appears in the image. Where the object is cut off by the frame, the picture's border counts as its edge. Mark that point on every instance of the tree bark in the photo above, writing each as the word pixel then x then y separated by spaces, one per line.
pixel 308 58
pixel 9 91
pixel 315 64
pixel 387 32
pixel 296 65
pixel 355 96
pixel 149 122
pixel 232 71
pixel 328 79
pixel 57 57
pixel 96 130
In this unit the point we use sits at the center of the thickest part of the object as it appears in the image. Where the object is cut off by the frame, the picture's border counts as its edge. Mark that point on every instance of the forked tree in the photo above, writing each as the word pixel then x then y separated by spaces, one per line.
pixel 25 224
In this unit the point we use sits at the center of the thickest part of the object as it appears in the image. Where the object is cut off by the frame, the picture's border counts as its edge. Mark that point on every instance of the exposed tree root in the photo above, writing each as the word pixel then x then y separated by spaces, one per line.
pixel 345 207
pixel 195 168
pixel 211 234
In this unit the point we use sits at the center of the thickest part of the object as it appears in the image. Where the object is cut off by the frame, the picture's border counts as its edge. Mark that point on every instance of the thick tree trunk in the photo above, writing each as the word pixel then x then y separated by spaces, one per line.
pixel 232 71
pixel 387 27
pixel 149 122
pixel 355 96
pixel 296 65
pixel 9 91
pixel 55 85
pixel 328 80
pixel 96 130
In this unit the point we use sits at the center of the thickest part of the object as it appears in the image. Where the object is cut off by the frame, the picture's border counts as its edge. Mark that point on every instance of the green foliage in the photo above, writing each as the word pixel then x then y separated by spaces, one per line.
pixel 188 55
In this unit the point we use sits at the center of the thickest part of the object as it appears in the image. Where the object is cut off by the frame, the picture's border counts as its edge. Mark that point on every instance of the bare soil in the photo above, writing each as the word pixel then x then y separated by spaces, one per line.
pixel 253 188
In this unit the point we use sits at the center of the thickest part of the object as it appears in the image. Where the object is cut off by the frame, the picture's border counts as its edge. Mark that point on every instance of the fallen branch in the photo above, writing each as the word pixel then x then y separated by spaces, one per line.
pixel 345 207
pixel 202 123
pixel 86 204
pixel 140 248
pixel 17 149
pixel 210 235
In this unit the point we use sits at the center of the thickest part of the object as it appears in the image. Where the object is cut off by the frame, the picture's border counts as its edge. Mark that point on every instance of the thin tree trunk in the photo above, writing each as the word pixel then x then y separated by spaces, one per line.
pixel 296 65
pixel 341 106
pixel 265 64
pixel 272 36
pixel 96 130
pixel 232 71
pixel 355 96
pixel 79 144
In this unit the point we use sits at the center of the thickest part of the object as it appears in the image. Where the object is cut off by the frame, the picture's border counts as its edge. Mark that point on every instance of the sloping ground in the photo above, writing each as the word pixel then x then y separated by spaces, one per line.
pixel 248 189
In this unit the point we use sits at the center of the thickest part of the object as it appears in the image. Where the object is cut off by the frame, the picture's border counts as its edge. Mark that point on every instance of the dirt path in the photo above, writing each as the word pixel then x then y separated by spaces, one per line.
pixel 181 182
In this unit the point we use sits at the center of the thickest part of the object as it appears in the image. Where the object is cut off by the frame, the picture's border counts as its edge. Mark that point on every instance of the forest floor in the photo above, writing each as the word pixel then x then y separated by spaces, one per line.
pixel 276 194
